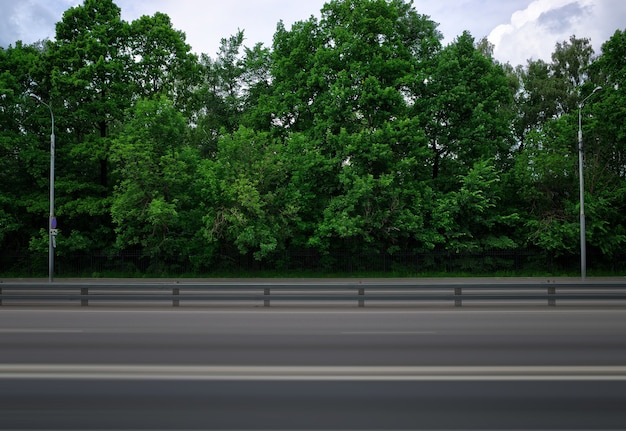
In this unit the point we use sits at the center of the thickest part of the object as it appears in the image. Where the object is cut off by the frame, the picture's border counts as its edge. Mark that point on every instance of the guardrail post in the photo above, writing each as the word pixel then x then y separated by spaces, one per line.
pixel 551 301
pixel 175 301
pixel 84 293
pixel 266 292
pixel 458 292
pixel 361 294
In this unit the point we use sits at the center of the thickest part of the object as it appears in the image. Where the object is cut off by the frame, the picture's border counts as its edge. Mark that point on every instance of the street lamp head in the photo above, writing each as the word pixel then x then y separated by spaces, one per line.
pixel 595 90
pixel 35 97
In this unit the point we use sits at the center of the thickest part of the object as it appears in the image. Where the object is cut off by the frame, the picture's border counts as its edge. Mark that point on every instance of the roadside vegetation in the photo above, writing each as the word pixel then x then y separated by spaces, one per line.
pixel 356 134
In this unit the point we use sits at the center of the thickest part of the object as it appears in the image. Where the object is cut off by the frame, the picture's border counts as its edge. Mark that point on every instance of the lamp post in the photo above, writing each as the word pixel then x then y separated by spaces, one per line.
pixel 583 240
pixel 52 224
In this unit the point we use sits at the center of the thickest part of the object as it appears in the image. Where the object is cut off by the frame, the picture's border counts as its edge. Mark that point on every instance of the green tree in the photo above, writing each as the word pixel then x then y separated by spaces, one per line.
pixel 249 207
pixel 604 131
pixel 353 69
pixel 154 205
pixel 546 170
pixel 466 111
pixel 24 148
pixel 343 89
pixel 371 53
pixel 89 64
pixel 91 59
pixel 547 166
pixel 469 219
pixel 570 65
pixel 101 66
pixel 296 85
pixel 550 90
pixel 537 100
pixel 232 85
pixel 163 62
pixel 379 205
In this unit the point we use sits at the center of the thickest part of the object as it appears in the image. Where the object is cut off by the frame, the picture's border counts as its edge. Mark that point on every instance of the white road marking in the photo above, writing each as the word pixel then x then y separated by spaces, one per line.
pixel 39 331
pixel 312 373
pixel 388 332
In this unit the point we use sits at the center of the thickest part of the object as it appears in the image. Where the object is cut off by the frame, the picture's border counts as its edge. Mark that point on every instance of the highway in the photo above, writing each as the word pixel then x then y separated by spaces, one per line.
pixel 313 368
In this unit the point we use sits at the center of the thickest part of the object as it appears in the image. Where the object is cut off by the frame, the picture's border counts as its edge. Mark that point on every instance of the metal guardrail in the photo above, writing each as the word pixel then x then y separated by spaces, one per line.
pixel 304 292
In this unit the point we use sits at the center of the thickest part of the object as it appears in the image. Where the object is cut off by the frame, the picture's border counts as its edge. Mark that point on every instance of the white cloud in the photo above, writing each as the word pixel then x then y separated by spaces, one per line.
pixel 478 17
pixel 533 32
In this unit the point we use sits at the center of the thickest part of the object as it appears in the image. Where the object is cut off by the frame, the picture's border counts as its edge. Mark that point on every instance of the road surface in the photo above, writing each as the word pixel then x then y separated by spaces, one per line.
pixel 68 368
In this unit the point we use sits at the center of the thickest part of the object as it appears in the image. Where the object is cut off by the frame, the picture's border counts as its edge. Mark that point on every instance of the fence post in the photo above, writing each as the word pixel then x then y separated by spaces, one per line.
pixel 361 295
pixel 266 292
pixel 458 292
pixel 551 292
pixel 176 301
pixel 84 293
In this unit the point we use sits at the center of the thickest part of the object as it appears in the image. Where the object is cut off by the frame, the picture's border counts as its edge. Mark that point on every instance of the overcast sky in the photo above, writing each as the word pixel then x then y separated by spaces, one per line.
pixel 519 29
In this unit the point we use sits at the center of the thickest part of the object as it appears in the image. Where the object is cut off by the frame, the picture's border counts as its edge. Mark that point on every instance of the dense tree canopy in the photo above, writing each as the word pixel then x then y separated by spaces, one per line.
pixel 354 132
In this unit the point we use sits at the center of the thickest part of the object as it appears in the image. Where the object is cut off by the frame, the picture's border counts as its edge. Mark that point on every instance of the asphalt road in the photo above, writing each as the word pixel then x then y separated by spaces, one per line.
pixel 68 368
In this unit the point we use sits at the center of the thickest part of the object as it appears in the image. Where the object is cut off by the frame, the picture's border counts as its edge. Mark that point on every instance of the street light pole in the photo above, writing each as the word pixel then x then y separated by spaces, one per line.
pixel 583 239
pixel 52 224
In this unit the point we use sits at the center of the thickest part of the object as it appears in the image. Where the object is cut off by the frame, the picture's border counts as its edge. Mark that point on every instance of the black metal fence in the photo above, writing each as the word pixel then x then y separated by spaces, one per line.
pixel 136 263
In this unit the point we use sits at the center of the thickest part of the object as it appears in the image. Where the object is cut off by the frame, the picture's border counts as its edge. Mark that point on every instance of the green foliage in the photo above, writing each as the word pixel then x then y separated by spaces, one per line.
pixel 376 200
pixel 24 157
pixel 357 133
pixel 537 102
pixel 468 219
pixel 466 111
pixel 246 197
pixel 163 63
pixel 153 202
pixel 231 87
